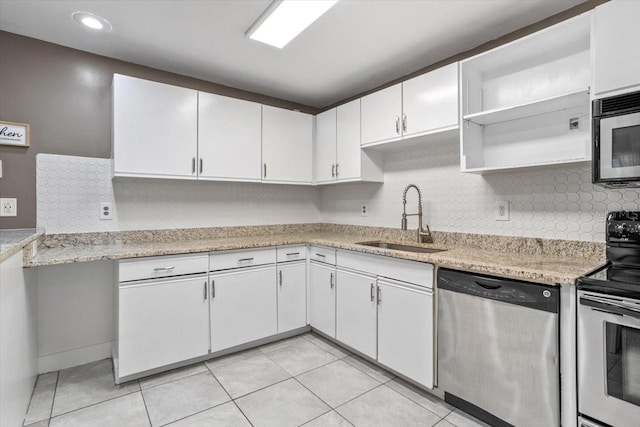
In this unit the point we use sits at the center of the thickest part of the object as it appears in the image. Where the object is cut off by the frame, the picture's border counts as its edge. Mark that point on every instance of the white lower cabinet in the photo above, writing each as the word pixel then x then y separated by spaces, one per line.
pixel 243 306
pixel 405 330
pixel 356 311
pixel 322 285
pixel 161 322
pixel 292 296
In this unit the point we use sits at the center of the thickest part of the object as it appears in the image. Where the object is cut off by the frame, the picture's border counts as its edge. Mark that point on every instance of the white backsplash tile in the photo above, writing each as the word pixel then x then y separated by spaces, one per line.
pixel 556 202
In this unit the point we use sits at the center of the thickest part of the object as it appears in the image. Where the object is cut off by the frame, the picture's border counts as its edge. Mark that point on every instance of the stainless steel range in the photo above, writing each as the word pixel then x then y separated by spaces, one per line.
pixel 609 330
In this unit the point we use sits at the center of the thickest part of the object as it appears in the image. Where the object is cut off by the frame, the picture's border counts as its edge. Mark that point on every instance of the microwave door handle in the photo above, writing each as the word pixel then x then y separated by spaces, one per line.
pixel 610 307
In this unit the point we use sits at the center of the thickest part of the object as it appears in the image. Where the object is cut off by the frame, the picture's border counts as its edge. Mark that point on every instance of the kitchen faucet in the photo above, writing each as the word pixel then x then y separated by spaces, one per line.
pixel 423 236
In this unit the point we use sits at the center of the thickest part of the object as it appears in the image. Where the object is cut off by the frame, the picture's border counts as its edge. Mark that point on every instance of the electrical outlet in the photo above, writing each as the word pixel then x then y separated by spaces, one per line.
pixel 106 210
pixel 502 212
pixel 8 207
pixel 364 211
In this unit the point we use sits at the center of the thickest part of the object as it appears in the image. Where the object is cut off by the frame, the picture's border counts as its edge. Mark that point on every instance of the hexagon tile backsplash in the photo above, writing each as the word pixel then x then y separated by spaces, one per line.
pixel 557 202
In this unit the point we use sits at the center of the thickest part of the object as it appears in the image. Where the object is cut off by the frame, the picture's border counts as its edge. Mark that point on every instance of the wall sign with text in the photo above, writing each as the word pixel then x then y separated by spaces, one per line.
pixel 14 134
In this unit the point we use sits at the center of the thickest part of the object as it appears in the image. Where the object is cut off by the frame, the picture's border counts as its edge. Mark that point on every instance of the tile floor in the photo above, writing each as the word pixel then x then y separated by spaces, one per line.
pixel 303 380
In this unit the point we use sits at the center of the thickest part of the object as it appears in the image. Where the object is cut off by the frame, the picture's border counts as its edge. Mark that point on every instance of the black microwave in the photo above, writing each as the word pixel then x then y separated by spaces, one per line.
pixel 616 141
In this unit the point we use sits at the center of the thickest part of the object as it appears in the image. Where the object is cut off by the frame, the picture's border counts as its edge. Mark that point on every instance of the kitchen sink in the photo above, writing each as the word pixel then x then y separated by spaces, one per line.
pixel 400 247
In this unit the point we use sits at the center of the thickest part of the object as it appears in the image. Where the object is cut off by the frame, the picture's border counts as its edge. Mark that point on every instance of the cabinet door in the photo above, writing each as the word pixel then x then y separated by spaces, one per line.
pixel 162 322
pixel 356 311
pixel 616 41
pixel 325 159
pixel 381 115
pixel 348 141
pixel 155 129
pixel 322 282
pixel 292 296
pixel 405 330
pixel 430 101
pixel 229 138
pixel 243 306
pixel 287 144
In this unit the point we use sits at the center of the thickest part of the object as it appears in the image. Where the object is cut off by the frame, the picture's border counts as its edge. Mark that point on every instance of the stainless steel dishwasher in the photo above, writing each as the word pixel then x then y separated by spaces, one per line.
pixel 498 348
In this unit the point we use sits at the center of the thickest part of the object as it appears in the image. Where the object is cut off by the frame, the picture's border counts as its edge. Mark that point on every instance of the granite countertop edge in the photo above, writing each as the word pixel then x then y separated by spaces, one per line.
pixel 13 247
pixel 519 266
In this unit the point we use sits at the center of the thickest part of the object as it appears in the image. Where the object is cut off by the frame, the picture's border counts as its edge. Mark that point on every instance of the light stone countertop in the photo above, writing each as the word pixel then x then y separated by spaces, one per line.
pixel 13 240
pixel 573 259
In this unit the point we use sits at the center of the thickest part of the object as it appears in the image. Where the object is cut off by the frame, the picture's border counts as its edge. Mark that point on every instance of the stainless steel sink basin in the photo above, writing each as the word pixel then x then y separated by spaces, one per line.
pixel 399 247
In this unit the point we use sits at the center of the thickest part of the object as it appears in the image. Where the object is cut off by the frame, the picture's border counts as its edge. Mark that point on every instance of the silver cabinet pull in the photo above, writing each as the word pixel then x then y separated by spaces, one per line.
pixel 201 162
pixel 205 290
pixel 280 278
pixel 245 260
pixel 337 166
pixel 320 255
pixel 372 297
pixel 404 122
pixel 265 170
pixel 333 171
pixel 193 165
pixel 331 281
pixel 213 289
pixel 379 295
pixel 398 125
pixel 159 269
pixel 293 254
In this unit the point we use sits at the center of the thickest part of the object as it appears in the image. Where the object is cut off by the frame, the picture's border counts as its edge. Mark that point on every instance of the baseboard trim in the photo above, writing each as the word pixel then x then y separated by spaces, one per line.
pixel 75 357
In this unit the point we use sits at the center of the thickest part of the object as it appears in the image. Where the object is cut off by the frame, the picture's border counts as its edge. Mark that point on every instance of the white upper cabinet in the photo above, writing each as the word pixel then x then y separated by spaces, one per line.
pixel 155 129
pixel 325 159
pixel 518 100
pixel 430 101
pixel 381 115
pixel 287 144
pixel 229 138
pixel 616 37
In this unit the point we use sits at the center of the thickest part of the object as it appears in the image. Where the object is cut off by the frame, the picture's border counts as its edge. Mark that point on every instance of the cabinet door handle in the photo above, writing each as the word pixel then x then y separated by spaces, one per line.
pixel 213 289
pixel 404 122
pixel 398 125
pixel 265 170
pixel 293 254
pixel 333 171
pixel 331 281
pixel 320 255
pixel 337 166
pixel 379 295
pixel 372 297
pixel 205 290
pixel 245 260
pixel 159 269
pixel 193 165
pixel 280 278
pixel 201 163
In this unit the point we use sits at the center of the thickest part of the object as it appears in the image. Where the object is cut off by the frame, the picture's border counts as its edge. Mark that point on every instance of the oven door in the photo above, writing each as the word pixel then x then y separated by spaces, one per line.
pixel 609 358
pixel 618 147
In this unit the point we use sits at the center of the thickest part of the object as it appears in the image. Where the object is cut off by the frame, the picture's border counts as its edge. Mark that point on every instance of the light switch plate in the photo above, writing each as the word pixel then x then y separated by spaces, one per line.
pixel 8 207
pixel 502 211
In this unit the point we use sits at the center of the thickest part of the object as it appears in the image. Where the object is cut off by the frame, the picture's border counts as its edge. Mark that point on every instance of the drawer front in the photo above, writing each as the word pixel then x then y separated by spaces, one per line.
pixel 415 272
pixel 292 253
pixel 322 254
pixel 162 266
pixel 236 259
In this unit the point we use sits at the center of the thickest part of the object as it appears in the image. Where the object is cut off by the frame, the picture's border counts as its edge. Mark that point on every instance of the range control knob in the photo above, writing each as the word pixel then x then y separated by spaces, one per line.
pixel 546 293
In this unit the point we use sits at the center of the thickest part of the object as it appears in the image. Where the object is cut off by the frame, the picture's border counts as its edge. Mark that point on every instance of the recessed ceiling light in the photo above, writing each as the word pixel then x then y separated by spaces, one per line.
pixel 89 20
pixel 285 19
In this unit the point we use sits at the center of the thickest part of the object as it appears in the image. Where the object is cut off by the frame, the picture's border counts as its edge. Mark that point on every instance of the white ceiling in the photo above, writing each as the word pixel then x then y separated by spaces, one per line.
pixel 356 46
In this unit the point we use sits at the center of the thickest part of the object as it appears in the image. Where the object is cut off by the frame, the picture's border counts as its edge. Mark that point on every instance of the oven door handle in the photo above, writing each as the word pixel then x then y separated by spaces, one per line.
pixel 610 307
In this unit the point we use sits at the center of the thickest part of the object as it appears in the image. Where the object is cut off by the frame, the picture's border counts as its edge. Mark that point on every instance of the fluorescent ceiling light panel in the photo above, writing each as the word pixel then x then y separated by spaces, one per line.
pixel 285 19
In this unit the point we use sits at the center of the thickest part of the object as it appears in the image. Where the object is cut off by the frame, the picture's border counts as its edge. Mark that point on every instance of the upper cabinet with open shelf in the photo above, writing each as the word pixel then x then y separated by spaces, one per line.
pixel 517 101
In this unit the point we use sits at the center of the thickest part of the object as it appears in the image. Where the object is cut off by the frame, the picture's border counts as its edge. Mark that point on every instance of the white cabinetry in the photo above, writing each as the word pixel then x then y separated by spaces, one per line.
pixel 356 311
pixel 287 145
pixel 339 157
pixel 616 52
pixel 405 330
pixel 518 100
pixel 155 129
pixel 292 295
pixel 322 284
pixel 425 106
pixel 243 306
pixel 229 138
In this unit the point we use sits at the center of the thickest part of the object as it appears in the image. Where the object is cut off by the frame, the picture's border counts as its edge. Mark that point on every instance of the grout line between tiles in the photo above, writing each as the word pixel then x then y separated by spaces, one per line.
pixel 144 402
pixel 176 379
pixel 96 403
pixel 417 392
pixel 242 412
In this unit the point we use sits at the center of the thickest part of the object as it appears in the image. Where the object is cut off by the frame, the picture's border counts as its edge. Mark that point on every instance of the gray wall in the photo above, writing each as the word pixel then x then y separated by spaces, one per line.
pixel 65 95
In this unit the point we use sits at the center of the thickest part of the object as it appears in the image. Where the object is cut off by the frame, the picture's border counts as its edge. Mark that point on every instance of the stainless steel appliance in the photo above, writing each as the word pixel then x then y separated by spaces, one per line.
pixel 498 348
pixel 616 140
pixel 609 329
